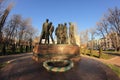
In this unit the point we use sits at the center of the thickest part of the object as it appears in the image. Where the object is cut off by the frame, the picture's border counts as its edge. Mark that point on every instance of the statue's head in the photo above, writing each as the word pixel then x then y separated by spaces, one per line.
pixel 65 24
pixel 50 23
pixel 58 24
pixel 47 20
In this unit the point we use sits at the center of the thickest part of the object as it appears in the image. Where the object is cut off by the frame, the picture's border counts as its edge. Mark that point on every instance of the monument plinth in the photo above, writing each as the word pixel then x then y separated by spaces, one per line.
pixel 42 53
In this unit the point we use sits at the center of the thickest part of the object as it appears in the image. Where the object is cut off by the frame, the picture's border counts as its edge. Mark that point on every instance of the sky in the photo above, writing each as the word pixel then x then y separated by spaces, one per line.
pixel 85 13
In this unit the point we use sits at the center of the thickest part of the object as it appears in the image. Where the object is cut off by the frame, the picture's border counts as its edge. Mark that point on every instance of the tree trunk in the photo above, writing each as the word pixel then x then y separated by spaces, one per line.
pixel 13 48
pixel 4 49
pixel 21 48
pixel 100 52
pixel 91 51
pixel 26 48
pixel 118 49
pixel 30 48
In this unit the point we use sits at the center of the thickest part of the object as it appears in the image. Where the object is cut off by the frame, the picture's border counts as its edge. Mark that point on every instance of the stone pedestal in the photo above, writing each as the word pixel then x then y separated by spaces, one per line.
pixel 59 51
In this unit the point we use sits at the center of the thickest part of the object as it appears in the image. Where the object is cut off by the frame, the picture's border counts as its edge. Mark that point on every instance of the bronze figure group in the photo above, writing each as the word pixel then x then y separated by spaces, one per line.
pixel 60 32
pixel 47 30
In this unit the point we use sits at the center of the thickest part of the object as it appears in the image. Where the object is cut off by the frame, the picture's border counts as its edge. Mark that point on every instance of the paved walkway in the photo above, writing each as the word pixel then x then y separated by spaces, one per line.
pixel 115 61
pixel 24 68
pixel 8 58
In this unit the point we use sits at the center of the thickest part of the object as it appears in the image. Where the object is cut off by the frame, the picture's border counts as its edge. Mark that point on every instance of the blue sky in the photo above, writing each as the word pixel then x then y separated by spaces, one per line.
pixel 85 13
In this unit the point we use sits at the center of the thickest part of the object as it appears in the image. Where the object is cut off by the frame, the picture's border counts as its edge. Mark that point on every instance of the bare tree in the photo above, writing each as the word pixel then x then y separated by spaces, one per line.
pixel 84 37
pixel 3 18
pixel 26 33
pixel 29 35
pixel 101 31
pixel 114 22
pixel 10 30
pixel 2 22
pixel 83 40
pixel 109 26
pixel 12 25
pixel 19 32
pixel 92 31
pixel 115 40
pixel 114 19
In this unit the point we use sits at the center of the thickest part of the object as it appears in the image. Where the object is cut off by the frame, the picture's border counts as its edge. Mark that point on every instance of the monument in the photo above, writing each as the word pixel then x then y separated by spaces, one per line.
pixel 60 56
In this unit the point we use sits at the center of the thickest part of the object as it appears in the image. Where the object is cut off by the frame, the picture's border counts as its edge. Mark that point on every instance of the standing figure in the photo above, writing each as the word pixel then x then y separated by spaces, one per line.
pixel 45 32
pixel 51 29
pixel 57 32
pixel 61 34
pixel 65 36
pixel 71 34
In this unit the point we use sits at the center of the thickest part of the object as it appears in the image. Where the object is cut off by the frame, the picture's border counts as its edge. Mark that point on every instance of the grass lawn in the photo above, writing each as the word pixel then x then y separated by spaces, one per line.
pixel 96 54
pixel 115 69
pixel 115 53
pixel 2 65
pixel 112 52
pixel 103 56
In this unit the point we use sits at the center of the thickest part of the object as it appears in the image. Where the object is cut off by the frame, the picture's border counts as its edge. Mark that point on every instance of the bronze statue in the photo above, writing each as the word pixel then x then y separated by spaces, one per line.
pixel 45 32
pixel 71 34
pixel 65 36
pixel 61 34
pixel 57 33
pixel 51 29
